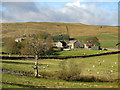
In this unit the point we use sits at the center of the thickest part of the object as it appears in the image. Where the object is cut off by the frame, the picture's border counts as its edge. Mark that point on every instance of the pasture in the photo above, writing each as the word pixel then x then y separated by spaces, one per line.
pixel 32 82
pixel 107 69
pixel 79 52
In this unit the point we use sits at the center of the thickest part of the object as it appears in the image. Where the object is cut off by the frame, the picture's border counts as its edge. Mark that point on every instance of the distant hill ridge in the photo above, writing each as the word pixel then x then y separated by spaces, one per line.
pixel 55 28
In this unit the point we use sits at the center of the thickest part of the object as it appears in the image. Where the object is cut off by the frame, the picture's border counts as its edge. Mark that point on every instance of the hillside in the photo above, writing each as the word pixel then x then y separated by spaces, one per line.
pixel 76 30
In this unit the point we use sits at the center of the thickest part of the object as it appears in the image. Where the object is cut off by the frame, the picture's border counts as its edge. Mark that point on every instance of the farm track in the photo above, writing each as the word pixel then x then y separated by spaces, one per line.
pixel 68 57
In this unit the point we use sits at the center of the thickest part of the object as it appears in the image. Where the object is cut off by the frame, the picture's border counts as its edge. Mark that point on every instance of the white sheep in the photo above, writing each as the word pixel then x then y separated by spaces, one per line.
pixel 89 70
pixel 97 72
pixel 98 60
pixel 111 70
pixel 43 67
pixel 47 65
pixel 93 66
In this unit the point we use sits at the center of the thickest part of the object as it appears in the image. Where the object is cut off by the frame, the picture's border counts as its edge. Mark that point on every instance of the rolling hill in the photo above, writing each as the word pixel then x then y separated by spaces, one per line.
pixel 76 30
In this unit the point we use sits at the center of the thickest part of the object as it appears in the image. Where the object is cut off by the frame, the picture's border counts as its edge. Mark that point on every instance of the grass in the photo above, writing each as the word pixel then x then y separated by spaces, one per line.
pixel 108 44
pixel 27 82
pixel 75 29
pixel 83 63
pixel 101 37
pixel 66 53
pixel 78 53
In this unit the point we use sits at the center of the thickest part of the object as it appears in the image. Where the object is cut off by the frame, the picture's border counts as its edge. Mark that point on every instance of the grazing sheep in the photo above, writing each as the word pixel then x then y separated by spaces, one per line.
pixel 103 60
pixel 97 72
pixel 89 70
pixel 111 71
pixel 93 66
pixel 98 60
pixel 47 65
pixel 43 67
pixel 115 63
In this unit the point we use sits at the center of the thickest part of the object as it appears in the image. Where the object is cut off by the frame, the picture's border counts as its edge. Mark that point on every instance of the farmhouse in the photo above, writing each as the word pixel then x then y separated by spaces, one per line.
pixel 91 46
pixel 60 44
pixel 72 44
pixel 87 46
pixel 75 44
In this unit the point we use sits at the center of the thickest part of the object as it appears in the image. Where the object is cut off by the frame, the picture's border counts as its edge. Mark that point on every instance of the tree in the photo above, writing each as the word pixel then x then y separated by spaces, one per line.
pixel 13 47
pixel 38 47
pixel 60 37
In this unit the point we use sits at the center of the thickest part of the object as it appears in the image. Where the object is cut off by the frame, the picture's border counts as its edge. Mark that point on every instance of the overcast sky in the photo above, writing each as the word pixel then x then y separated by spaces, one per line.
pixel 91 13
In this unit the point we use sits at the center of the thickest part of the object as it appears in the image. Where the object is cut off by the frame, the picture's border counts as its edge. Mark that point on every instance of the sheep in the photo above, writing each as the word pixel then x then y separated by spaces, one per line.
pixel 47 65
pixel 98 60
pixel 93 66
pixel 89 70
pixel 43 67
pixel 97 72
pixel 111 71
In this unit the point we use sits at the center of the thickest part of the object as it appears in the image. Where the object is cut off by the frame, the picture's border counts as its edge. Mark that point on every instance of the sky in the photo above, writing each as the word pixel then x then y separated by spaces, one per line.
pixel 90 13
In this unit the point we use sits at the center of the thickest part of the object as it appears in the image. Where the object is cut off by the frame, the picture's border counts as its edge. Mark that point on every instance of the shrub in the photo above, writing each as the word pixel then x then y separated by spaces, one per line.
pixel 70 72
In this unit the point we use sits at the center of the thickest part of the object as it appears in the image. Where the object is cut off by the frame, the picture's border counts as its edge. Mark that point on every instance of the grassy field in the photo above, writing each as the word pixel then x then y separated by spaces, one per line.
pixel 27 82
pixel 66 53
pixel 84 64
pixel 106 40
pixel 78 53
pixel 110 63
pixel 108 44
pixel 101 37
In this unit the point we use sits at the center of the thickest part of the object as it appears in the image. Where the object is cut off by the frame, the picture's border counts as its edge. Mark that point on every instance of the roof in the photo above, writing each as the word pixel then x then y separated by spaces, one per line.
pixel 89 44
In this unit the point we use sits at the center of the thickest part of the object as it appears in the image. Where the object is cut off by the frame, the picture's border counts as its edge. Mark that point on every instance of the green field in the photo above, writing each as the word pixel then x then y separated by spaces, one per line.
pixel 54 66
pixel 78 52
pixel 109 37
pixel 27 82
pixel 108 44
pixel 83 63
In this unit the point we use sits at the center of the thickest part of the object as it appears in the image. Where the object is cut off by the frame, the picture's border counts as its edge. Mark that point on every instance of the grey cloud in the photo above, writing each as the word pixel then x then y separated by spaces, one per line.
pixel 29 11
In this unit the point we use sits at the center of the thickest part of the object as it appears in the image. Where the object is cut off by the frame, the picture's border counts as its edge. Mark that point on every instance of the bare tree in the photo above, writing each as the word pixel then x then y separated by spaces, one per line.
pixel 38 47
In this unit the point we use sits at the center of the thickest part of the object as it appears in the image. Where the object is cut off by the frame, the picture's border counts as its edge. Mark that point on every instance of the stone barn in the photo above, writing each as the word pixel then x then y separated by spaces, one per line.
pixel 61 44
pixel 75 44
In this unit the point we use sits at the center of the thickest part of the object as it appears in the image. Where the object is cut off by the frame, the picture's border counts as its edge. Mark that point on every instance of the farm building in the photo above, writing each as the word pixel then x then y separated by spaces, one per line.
pixel 92 47
pixel 75 44
pixel 72 44
pixel 87 46
pixel 60 44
